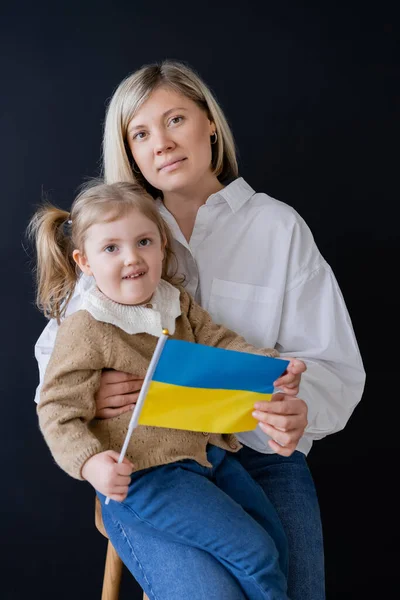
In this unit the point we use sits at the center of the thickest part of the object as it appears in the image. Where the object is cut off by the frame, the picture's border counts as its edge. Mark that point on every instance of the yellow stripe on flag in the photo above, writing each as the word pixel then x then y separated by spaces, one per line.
pixel 200 409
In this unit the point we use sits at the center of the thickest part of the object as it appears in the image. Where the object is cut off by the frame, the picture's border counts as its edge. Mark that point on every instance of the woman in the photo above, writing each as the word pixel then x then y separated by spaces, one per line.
pixel 251 261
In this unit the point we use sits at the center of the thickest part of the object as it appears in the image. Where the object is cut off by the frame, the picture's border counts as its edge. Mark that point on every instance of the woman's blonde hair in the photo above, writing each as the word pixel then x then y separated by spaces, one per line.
pixel 129 96
pixel 57 233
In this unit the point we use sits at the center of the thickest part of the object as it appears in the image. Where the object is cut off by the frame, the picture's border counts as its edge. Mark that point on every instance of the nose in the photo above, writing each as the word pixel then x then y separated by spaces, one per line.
pixel 132 257
pixel 163 143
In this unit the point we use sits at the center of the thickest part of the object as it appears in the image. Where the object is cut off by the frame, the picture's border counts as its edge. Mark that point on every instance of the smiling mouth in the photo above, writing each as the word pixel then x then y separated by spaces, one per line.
pixel 134 276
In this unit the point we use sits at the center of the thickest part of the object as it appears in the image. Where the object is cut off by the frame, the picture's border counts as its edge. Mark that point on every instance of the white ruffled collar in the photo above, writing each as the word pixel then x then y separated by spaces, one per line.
pixel 160 313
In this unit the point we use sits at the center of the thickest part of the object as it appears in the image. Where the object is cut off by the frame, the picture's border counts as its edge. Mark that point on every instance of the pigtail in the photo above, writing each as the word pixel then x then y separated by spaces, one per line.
pixel 56 272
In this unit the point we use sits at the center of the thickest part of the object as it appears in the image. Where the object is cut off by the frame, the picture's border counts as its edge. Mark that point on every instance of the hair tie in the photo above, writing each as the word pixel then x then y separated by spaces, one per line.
pixel 66 227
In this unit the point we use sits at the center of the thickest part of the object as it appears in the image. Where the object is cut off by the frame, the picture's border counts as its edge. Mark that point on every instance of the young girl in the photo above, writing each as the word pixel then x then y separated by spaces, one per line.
pixel 181 484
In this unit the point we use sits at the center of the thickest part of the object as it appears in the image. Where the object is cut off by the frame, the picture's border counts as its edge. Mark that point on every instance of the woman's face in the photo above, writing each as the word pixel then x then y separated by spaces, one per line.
pixel 169 138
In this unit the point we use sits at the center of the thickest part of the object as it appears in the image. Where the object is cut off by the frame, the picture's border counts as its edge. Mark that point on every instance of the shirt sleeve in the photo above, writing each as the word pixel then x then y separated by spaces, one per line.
pixel 45 343
pixel 316 327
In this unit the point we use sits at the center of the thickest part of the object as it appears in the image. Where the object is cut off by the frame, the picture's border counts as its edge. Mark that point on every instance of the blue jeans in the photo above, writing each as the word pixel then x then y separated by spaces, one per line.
pixel 184 572
pixel 219 510
pixel 289 485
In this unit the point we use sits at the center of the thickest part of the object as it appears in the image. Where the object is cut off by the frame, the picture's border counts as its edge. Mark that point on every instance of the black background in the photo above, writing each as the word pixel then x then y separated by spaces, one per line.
pixel 312 94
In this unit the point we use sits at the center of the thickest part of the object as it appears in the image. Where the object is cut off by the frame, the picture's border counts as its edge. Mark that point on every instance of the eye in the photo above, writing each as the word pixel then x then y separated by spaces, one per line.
pixel 111 248
pixel 140 135
pixel 175 120
pixel 144 242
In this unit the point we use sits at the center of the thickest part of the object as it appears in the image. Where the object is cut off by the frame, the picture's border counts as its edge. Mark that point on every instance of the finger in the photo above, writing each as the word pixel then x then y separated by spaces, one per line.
pixel 297 366
pixel 284 404
pixel 280 449
pixel 120 467
pixel 290 382
pixel 294 370
pixel 125 468
pixel 290 391
pixel 108 413
pixel 122 388
pixel 278 408
pixel 118 409
pixel 117 497
pixel 281 422
pixel 287 379
pixel 112 455
pixel 120 400
pixel 120 485
pixel 265 405
pixel 282 438
pixel 122 481
pixel 278 404
pixel 293 425
pixel 111 376
pixel 286 376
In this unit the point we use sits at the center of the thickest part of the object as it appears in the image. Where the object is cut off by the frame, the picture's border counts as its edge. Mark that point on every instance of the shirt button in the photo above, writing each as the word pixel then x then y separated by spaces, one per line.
pixel 205 433
pixel 148 305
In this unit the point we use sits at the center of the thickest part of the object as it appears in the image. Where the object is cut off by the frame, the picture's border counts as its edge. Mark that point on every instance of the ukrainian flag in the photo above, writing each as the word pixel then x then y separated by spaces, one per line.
pixel 199 388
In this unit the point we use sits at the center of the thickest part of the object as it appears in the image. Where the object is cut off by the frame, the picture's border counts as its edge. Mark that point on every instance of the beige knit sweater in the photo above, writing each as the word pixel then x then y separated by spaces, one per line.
pixel 84 347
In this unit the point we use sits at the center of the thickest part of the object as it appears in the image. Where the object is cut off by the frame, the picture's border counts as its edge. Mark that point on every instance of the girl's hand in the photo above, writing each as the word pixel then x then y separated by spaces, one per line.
pixel 118 393
pixel 289 382
pixel 284 419
pixel 107 476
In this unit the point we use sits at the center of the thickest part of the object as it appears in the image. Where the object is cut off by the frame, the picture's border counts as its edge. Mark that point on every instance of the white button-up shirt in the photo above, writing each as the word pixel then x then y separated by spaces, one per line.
pixel 253 264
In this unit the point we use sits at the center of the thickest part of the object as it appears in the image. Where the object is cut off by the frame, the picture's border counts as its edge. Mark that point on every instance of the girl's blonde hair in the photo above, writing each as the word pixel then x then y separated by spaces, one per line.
pixel 57 233
pixel 129 96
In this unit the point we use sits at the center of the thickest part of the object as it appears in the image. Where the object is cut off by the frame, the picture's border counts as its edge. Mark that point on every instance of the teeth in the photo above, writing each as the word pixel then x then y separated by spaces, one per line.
pixel 133 276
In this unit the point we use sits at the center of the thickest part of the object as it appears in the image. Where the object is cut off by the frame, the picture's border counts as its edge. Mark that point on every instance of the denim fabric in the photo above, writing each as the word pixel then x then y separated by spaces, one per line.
pixel 183 507
pixel 289 485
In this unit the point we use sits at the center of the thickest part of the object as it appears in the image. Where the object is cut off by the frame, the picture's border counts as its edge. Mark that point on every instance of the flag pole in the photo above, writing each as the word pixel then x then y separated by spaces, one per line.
pixel 142 394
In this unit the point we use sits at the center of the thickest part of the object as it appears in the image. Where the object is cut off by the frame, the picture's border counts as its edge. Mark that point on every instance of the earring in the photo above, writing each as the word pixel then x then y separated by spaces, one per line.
pixel 133 167
pixel 214 141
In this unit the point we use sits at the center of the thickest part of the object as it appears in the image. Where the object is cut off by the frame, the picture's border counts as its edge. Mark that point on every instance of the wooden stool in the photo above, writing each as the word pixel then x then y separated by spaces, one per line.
pixel 113 566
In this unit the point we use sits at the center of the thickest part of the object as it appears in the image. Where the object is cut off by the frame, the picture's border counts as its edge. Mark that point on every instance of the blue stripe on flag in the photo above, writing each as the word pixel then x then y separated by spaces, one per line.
pixel 195 365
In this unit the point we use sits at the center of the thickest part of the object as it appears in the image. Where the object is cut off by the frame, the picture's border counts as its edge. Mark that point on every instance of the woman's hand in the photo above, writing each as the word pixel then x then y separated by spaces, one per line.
pixel 289 382
pixel 284 419
pixel 107 476
pixel 117 394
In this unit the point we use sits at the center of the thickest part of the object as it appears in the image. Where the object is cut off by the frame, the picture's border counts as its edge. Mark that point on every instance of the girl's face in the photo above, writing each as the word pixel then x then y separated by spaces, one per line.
pixel 125 257
pixel 169 138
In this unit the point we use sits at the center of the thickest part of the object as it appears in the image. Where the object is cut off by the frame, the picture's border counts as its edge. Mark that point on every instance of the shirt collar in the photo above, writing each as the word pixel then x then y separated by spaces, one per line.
pixel 236 194
pixel 160 313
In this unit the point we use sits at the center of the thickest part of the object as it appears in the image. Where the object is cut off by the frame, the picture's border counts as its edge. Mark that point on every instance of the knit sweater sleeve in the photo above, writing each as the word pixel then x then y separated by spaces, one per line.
pixel 211 334
pixel 67 400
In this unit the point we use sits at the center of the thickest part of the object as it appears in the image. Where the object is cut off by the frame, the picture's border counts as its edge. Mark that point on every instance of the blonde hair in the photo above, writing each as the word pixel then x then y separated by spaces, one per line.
pixel 57 233
pixel 129 96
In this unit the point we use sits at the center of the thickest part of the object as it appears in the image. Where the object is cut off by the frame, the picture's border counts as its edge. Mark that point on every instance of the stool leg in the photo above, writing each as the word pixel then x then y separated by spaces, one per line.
pixel 112 574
